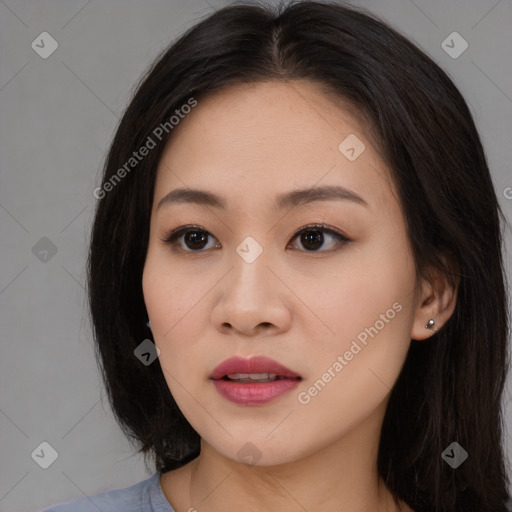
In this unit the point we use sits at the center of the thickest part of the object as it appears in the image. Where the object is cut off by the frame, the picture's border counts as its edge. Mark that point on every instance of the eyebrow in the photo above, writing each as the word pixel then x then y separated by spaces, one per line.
pixel 287 200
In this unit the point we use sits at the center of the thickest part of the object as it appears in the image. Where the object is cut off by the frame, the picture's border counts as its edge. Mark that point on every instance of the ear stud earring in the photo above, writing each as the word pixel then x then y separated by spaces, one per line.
pixel 430 325
pixel 148 324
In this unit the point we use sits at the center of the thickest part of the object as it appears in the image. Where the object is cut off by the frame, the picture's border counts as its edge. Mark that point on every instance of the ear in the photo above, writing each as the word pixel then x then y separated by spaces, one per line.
pixel 436 301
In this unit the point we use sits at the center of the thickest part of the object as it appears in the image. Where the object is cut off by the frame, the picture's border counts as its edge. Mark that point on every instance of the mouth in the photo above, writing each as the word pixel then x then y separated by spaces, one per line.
pixel 252 370
pixel 254 381
pixel 251 378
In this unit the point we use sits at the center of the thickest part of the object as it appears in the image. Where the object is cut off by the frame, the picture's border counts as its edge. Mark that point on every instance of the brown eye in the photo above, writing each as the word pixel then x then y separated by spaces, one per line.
pixel 313 238
pixel 194 238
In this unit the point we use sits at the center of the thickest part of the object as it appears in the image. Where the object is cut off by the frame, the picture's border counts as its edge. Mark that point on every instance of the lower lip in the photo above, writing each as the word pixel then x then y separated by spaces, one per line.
pixel 254 394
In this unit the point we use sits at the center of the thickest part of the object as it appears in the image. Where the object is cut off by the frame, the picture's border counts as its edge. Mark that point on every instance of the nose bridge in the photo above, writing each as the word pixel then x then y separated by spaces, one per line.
pixel 251 295
pixel 250 261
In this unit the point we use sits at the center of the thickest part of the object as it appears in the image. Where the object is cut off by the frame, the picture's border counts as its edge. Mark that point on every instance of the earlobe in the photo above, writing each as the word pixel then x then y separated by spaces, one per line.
pixel 430 325
pixel 436 304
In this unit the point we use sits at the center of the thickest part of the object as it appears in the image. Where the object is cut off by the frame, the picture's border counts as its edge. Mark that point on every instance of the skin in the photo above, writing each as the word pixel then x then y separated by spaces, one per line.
pixel 300 306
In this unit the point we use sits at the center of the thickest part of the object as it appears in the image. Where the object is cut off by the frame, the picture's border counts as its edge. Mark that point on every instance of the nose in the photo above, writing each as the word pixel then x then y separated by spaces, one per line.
pixel 253 301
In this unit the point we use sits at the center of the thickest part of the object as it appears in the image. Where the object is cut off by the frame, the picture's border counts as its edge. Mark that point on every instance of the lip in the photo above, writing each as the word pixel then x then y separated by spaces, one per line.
pixel 256 393
pixel 257 364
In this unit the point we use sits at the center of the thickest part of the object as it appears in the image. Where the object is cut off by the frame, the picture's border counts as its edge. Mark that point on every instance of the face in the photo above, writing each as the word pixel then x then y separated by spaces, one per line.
pixel 258 276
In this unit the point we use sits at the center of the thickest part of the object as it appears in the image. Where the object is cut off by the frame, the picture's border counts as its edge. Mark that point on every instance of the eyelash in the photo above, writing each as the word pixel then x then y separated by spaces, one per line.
pixel 171 238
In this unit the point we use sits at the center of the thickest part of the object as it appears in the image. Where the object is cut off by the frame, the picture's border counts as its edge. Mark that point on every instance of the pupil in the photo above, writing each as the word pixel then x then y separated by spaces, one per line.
pixel 316 239
pixel 193 238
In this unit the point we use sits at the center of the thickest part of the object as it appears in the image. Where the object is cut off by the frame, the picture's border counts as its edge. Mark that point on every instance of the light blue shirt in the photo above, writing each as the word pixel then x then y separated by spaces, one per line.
pixel 145 496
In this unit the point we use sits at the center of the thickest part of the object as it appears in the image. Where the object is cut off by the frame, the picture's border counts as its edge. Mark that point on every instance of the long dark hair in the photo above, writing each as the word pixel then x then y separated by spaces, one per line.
pixel 451 386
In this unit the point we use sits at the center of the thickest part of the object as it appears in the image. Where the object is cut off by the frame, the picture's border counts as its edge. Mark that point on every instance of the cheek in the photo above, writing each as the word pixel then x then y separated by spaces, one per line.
pixel 369 310
pixel 177 306
pixel 349 294
pixel 168 293
pixel 352 377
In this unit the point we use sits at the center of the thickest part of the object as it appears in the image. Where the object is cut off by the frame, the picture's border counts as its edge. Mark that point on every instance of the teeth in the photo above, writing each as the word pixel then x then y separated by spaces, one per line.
pixel 252 376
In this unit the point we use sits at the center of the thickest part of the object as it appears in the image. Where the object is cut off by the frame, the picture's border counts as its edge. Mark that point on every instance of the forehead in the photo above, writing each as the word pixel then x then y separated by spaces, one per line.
pixel 273 136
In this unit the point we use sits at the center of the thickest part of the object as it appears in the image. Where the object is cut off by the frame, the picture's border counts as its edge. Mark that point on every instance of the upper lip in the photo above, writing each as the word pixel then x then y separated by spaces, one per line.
pixel 257 364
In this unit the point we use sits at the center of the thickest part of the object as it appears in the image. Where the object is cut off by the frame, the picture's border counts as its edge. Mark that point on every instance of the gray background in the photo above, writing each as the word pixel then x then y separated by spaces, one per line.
pixel 58 116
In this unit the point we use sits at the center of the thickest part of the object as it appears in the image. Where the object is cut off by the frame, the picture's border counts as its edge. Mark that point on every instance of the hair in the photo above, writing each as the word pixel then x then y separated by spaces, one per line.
pixel 450 388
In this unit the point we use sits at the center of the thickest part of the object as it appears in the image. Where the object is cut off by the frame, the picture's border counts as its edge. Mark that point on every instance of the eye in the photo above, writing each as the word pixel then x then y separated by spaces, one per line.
pixel 194 238
pixel 312 237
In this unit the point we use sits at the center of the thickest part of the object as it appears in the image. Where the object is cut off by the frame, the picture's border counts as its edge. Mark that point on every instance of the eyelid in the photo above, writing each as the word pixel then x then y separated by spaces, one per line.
pixel 171 236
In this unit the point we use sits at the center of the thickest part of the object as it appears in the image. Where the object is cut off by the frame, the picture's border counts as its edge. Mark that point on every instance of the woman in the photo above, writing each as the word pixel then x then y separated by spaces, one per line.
pixel 295 275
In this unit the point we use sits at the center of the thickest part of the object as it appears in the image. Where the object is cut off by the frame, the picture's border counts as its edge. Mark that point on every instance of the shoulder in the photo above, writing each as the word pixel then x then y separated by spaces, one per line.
pixel 144 496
